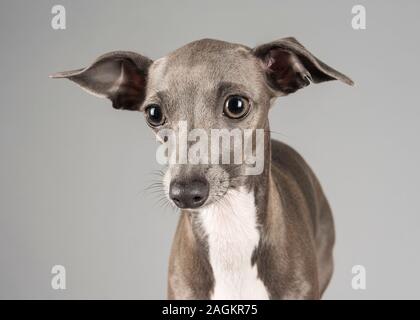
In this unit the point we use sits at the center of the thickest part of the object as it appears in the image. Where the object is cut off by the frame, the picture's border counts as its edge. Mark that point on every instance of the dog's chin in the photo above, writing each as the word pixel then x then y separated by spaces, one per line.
pixel 192 210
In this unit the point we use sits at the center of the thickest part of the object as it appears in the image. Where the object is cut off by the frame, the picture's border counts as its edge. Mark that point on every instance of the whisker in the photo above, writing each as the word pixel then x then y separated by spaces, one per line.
pixel 276 132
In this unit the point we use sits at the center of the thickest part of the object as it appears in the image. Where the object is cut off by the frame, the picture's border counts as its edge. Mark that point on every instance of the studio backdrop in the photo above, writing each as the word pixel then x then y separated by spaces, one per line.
pixel 77 176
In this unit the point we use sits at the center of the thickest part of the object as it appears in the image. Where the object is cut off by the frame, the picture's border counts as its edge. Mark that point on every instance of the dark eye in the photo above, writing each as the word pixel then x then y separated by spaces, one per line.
pixel 154 115
pixel 236 107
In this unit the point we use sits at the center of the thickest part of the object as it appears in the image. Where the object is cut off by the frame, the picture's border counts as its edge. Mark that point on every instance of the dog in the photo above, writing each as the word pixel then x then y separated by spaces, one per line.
pixel 259 236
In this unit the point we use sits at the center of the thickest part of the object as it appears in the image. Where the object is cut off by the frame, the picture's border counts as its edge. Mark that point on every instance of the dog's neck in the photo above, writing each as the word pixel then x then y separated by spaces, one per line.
pixel 261 187
pixel 230 233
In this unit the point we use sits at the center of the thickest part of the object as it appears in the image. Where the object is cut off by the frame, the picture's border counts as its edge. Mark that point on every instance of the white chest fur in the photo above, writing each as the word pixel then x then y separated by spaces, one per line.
pixel 231 229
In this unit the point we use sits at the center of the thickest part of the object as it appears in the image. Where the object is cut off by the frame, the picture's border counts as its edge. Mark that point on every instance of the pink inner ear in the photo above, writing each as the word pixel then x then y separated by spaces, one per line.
pixel 129 92
pixel 270 62
pixel 279 60
pixel 285 71
pixel 133 77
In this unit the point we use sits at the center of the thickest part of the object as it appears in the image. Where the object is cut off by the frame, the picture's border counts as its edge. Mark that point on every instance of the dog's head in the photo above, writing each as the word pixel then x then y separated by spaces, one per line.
pixel 211 89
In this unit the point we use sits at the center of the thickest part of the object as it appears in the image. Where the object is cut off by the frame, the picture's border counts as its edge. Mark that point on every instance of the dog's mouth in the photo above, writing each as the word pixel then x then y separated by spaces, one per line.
pixel 195 198
pixel 196 192
pixel 200 206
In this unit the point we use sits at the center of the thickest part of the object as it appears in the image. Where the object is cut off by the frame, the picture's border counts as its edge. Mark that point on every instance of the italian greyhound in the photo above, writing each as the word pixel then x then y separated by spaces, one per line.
pixel 265 236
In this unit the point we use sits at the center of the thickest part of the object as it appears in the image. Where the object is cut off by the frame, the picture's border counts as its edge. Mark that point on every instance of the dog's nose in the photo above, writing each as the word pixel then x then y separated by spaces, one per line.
pixel 189 194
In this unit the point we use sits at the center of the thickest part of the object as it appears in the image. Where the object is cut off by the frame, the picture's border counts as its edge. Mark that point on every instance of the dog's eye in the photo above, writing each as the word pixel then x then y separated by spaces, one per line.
pixel 236 107
pixel 154 115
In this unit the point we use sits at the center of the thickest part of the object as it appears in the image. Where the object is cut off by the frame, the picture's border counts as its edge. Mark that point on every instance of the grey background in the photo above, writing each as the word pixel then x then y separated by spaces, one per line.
pixel 73 170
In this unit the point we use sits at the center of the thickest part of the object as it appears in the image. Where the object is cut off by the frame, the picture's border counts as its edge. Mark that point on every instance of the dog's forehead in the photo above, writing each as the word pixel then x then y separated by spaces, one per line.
pixel 203 63
pixel 207 51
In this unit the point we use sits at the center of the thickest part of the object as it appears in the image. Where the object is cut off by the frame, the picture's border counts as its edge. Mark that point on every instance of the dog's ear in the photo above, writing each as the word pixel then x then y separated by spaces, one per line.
pixel 289 66
pixel 120 76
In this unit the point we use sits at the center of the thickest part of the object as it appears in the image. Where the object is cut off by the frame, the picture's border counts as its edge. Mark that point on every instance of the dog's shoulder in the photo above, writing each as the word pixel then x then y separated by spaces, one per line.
pixel 284 157
pixel 291 164
pixel 294 177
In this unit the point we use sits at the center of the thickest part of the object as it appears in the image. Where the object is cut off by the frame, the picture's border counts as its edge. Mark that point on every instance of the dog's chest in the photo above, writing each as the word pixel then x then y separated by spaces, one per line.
pixel 232 235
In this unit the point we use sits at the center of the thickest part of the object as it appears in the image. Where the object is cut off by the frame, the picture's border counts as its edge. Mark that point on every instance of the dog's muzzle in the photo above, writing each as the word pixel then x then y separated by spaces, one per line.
pixel 189 194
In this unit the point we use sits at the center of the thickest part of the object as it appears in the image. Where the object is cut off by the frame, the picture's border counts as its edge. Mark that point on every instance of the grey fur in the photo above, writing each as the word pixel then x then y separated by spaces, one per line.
pixel 294 256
